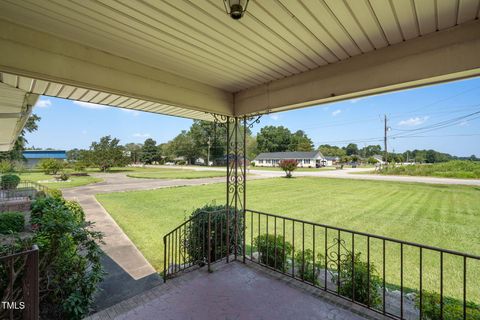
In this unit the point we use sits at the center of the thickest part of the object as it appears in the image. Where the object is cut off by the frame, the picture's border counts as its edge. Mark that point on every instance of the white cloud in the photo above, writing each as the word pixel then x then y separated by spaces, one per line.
pixel 132 112
pixel 355 100
pixel 464 123
pixel 336 112
pixel 413 121
pixel 141 135
pixel 275 117
pixel 43 103
pixel 84 131
pixel 89 105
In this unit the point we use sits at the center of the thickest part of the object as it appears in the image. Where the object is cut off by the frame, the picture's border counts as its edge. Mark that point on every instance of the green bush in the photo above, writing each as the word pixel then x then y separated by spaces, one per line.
pixel 55 193
pixel 452 308
pixel 6 166
pixel 9 181
pixel 360 280
pixel 11 222
pixel 70 268
pixel 50 166
pixel 305 266
pixel 79 166
pixel 63 176
pixel 197 233
pixel 273 251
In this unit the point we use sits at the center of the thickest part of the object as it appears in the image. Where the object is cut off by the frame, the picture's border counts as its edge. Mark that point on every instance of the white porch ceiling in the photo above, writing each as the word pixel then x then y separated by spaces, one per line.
pixel 188 58
pixel 276 39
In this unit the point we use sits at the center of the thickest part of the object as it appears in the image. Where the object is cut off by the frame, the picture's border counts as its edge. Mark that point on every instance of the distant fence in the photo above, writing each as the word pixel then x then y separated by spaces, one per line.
pixel 25 189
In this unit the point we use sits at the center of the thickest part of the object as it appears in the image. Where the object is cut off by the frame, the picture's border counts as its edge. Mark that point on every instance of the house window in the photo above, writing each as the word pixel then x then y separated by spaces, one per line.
pixel 306 161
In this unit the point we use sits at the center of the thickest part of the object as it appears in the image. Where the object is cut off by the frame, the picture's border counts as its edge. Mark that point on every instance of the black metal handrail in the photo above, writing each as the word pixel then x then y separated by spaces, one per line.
pixel 200 240
pixel 330 258
pixel 20 291
pixel 25 189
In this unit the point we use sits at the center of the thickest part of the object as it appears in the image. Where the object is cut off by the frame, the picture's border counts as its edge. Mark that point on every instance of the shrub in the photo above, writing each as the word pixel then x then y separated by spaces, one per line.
pixel 197 233
pixel 288 166
pixel 9 181
pixel 452 308
pixel 6 166
pixel 271 250
pixel 70 268
pixel 76 209
pixel 63 176
pixel 79 166
pixel 360 280
pixel 11 222
pixel 305 266
pixel 50 166
pixel 55 193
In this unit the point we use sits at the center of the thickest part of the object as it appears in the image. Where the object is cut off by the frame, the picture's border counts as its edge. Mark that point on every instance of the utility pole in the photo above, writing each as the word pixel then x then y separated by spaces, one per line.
pixel 208 152
pixel 385 140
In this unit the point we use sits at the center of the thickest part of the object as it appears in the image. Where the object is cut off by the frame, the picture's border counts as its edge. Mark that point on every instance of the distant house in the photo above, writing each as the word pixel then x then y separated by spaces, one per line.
pixel 33 157
pixel 332 161
pixel 312 159
pixel 379 158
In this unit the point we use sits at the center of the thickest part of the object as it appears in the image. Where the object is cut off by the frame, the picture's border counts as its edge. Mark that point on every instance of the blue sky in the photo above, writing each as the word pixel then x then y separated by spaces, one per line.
pixel 67 124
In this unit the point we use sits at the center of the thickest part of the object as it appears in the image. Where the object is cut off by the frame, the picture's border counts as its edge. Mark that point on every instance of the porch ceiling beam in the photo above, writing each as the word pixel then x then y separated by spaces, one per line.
pixel 43 56
pixel 442 56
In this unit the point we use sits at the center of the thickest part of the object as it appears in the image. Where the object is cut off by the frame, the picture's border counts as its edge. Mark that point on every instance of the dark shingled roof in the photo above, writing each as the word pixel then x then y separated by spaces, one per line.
pixel 289 155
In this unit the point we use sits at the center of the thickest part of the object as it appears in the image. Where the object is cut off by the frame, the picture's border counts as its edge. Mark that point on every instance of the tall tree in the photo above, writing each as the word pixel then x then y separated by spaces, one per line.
pixel 184 146
pixel 331 151
pixel 16 154
pixel 274 139
pixel 149 152
pixel 301 142
pixel 351 149
pixel 106 153
pixel 134 150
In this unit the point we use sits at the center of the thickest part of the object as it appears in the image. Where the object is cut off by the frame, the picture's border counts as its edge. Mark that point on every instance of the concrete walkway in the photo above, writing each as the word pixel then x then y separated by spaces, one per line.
pixel 128 272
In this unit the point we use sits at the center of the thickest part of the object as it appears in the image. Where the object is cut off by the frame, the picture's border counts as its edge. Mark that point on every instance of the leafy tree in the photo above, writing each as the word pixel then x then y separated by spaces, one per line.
pixel 16 154
pixel 301 142
pixel 134 150
pixel 50 166
pixel 274 139
pixel 107 153
pixel 371 150
pixel 331 151
pixel 149 152
pixel 372 160
pixel 252 147
pixel 73 155
pixel 184 146
pixel 351 149
pixel 288 166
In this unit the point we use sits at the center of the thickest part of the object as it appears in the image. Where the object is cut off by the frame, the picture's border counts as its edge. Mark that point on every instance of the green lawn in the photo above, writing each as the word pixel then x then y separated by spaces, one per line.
pixel 47 180
pixel 161 173
pixel 298 169
pixel 436 215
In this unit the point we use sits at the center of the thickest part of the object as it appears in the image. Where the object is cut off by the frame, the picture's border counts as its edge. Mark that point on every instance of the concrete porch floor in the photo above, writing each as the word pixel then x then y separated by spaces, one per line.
pixel 234 291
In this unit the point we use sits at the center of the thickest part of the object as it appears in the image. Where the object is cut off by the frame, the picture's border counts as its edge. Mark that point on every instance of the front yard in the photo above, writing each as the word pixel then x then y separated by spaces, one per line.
pixel 50 182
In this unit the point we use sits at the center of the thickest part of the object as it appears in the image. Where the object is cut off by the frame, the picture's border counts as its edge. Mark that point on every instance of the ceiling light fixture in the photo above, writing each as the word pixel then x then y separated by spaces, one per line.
pixel 235 8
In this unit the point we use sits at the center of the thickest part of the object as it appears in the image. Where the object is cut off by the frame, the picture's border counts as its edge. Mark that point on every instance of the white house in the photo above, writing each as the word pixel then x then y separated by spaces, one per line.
pixel 312 159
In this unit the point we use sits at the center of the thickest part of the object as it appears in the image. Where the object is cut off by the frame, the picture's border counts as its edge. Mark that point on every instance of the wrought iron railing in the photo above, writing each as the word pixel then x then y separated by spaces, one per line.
pixel 19 285
pixel 24 190
pixel 400 279
pixel 200 240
